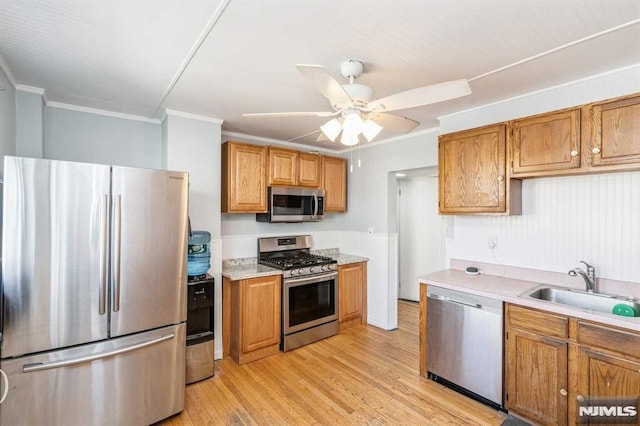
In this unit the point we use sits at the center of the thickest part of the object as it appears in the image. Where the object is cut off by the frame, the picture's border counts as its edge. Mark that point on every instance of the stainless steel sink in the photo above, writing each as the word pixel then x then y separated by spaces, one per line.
pixel 580 299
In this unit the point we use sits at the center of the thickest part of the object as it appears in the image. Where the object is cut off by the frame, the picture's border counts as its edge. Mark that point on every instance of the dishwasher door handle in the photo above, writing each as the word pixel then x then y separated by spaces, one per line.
pixel 457 302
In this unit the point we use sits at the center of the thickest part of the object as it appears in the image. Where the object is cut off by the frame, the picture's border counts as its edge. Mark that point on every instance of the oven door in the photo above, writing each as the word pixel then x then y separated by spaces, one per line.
pixel 309 301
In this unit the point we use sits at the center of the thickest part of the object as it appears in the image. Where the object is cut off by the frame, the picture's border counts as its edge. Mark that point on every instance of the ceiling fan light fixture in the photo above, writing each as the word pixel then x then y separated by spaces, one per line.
pixel 353 122
pixel 349 138
pixel 370 129
pixel 332 128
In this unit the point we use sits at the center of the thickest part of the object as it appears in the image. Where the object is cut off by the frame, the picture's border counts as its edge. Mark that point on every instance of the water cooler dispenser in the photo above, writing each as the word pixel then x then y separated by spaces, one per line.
pixel 199 357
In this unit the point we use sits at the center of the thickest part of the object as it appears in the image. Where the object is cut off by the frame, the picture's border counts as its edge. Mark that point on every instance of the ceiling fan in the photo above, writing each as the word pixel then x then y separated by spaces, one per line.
pixel 354 112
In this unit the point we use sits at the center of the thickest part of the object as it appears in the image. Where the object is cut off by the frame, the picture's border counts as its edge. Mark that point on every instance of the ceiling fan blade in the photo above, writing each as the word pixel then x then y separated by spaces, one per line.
pixel 422 96
pixel 325 84
pixel 322 138
pixel 291 114
pixel 395 123
pixel 304 136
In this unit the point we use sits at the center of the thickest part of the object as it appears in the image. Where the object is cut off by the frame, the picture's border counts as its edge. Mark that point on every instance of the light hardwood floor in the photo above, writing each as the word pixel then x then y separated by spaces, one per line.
pixel 364 375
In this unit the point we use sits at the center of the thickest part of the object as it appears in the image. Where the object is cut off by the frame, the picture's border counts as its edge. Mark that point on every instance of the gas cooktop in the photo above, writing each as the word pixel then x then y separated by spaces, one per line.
pixel 292 255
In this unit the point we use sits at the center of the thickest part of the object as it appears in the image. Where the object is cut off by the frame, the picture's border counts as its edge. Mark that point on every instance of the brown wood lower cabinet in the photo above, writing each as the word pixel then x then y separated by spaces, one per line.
pixel 537 377
pixel 536 365
pixel 606 375
pixel 352 294
pixel 554 361
pixel 251 318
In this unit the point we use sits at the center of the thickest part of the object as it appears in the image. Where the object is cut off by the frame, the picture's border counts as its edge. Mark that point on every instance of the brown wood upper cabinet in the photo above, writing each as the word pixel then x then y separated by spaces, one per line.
pixel 244 183
pixel 334 182
pixel 293 168
pixel 613 130
pixel 593 138
pixel 545 142
pixel 472 173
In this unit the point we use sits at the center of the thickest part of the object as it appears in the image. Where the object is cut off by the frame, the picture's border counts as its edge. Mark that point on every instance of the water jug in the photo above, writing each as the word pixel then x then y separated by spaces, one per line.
pixel 198 253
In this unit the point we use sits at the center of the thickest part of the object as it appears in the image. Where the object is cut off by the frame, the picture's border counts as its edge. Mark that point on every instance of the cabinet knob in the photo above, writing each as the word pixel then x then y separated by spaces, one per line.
pixel 574 153
pixel 563 392
pixel 580 398
pixel 596 150
pixel 500 178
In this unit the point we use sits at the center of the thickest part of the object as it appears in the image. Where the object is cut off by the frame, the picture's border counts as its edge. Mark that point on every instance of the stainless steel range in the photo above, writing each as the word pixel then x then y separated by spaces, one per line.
pixel 309 289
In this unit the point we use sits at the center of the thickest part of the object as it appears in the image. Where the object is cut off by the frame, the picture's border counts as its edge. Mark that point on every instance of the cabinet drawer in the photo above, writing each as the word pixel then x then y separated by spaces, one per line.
pixel 537 322
pixel 624 342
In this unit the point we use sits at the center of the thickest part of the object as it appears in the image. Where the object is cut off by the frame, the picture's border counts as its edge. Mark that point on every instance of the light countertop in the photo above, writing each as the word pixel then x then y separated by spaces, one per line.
pixel 508 289
pixel 345 259
pixel 244 268
pixel 245 271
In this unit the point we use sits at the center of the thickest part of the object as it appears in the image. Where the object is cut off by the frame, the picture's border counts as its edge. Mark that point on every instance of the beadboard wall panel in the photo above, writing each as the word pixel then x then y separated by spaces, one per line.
pixel 595 218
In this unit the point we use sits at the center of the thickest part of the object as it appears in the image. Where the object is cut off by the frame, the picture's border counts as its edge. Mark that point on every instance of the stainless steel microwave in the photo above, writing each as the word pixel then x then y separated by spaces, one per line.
pixel 293 205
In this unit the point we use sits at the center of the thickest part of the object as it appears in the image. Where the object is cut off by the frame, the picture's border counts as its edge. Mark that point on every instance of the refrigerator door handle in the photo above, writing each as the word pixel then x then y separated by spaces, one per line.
pixel 102 298
pixel 5 385
pixel 117 242
pixel 31 368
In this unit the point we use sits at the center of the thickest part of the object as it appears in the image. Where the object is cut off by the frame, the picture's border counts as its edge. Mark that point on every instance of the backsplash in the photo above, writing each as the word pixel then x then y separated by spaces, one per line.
pixel 595 218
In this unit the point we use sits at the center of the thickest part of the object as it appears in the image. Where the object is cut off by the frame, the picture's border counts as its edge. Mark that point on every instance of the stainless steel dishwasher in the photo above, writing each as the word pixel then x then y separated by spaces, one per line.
pixel 464 343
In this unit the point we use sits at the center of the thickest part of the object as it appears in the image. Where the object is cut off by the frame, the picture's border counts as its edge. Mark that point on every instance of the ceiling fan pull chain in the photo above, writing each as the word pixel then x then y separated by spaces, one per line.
pixel 351 162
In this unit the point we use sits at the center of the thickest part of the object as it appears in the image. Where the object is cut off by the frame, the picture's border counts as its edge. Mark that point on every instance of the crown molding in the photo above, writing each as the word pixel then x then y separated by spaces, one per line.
pixel 7 72
pixel 264 140
pixel 32 89
pixel 102 112
pixel 392 139
pixel 326 150
pixel 546 89
pixel 172 112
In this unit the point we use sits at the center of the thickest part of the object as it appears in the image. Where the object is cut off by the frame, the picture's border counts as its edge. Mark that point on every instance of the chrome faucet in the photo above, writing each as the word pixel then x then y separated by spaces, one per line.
pixel 589 276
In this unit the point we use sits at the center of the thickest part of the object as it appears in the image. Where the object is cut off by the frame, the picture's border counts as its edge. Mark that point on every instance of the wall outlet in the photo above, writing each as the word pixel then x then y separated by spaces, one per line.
pixel 492 242
pixel 370 231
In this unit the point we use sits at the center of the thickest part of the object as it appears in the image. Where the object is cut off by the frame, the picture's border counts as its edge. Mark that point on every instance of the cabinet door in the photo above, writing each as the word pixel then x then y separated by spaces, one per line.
pixel 283 167
pixel 309 170
pixel 334 182
pixel 536 377
pixel 615 132
pixel 352 292
pixel 546 142
pixel 605 376
pixel 244 185
pixel 260 305
pixel 602 375
pixel 472 171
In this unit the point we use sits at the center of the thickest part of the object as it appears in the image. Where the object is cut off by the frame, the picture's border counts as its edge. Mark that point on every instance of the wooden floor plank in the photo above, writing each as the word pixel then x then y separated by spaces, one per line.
pixel 364 375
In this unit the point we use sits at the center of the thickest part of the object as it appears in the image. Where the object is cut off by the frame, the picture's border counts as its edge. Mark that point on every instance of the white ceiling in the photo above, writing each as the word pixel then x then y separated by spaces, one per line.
pixel 223 58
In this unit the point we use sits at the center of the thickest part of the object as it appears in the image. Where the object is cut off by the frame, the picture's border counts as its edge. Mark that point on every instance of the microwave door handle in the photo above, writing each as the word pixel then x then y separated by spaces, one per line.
pixel 315 205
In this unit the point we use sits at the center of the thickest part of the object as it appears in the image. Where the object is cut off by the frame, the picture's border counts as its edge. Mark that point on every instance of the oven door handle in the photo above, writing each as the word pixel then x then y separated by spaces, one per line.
pixel 311 279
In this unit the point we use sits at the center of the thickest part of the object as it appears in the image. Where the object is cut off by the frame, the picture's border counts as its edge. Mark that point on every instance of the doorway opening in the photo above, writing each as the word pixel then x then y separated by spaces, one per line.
pixel 420 230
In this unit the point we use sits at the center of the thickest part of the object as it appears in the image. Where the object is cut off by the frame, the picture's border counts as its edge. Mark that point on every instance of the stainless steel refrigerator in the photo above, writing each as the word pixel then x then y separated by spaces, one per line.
pixel 94 287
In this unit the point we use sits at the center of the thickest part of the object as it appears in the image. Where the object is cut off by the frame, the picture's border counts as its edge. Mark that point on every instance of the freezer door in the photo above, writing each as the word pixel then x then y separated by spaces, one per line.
pixel 55 254
pixel 149 249
pixel 133 380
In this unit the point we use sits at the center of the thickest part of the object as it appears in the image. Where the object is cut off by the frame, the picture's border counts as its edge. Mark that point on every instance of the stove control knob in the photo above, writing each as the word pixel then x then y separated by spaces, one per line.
pixel 292 272
pixel 323 268
pixel 311 270
pixel 300 271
